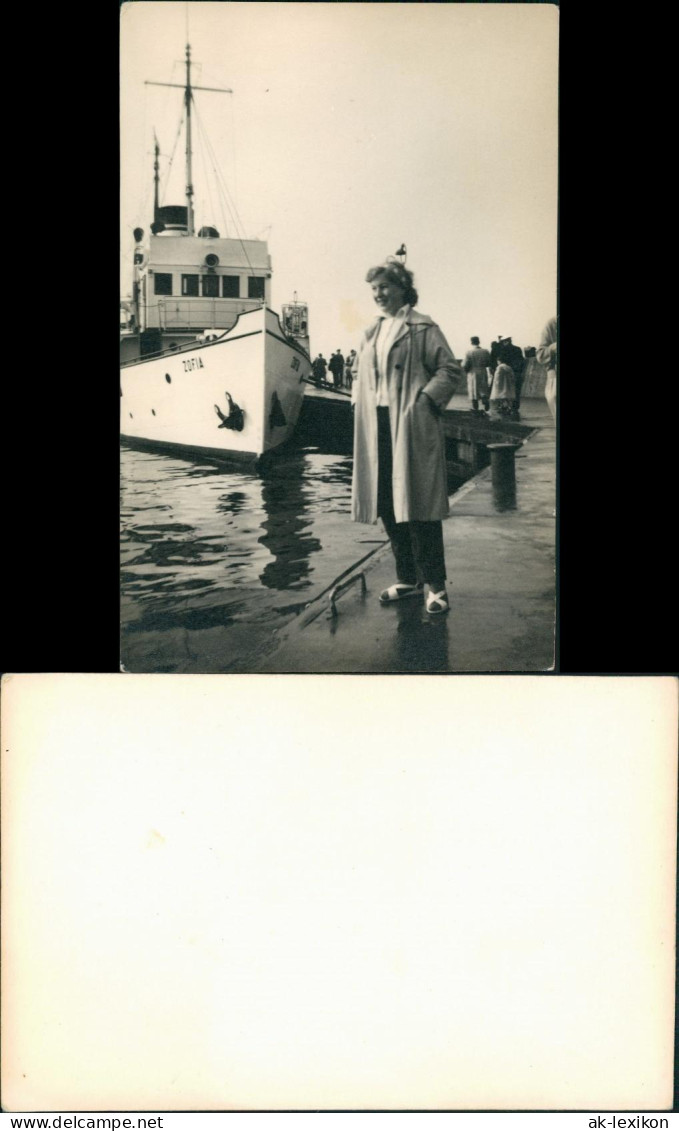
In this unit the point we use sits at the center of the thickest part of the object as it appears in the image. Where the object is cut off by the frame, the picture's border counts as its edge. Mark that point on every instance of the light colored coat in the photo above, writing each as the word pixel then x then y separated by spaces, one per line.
pixel 504 385
pixel 420 360
pixel 477 362
pixel 546 351
pixel 547 355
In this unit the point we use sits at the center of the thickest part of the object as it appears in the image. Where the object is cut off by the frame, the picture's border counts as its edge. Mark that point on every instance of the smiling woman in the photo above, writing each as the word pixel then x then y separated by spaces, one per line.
pixel 407 373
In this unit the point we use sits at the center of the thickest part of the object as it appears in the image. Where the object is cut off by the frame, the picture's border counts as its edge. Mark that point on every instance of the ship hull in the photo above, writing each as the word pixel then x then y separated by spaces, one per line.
pixel 182 400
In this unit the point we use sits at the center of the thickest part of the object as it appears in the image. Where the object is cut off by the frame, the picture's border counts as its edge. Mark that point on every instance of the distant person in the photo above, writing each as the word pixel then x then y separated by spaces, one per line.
pixel 495 352
pixel 503 392
pixel 336 367
pixel 547 355
pixel 349 365
pixel 476 365
pixel 513 356
pixel 406 374
pixel 319 368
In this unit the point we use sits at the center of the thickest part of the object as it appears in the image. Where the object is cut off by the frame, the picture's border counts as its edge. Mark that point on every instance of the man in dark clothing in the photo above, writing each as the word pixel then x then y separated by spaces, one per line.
pixel 495 353
pixel 514 358
pixel 336 366
pixel 319 368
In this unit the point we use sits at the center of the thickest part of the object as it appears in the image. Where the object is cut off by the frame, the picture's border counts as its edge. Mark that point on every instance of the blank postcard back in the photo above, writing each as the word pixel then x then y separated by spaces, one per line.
pixel 244 892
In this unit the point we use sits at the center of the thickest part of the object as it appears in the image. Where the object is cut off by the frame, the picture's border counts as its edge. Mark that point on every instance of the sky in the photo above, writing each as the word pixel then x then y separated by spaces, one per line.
pixel 353 128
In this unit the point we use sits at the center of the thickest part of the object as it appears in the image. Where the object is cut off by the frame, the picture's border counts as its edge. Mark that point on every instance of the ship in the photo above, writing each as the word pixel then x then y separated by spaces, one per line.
pixel 207 366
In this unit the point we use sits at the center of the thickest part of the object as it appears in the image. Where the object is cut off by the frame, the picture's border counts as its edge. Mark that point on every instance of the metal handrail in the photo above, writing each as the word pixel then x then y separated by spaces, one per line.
pixel 183 348
pixel 187 312
pixel 190 345
pixel 342 587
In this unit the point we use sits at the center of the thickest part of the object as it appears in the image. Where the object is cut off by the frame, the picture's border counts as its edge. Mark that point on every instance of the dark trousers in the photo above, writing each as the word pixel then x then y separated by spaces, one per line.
pixel 518 384
pixel 417 546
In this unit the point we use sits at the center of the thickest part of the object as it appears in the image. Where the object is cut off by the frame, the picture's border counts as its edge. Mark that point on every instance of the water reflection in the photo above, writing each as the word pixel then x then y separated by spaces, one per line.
pixel 287 532
pixel 213 559
pixel 421 640
pixel 233 502
pixel 198 540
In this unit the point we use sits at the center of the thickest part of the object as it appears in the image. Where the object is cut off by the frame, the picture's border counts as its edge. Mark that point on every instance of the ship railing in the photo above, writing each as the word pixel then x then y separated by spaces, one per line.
pixel 196 314
pixel 180 347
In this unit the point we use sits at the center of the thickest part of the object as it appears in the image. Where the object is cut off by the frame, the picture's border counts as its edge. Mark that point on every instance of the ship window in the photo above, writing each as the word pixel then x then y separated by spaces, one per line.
pixel 230 286
pixel 162 284
pixel 210 286
pixel 255 286
pixel 189 285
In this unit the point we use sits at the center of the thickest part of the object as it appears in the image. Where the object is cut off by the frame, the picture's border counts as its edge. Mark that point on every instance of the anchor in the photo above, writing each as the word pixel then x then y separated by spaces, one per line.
pixel 235 418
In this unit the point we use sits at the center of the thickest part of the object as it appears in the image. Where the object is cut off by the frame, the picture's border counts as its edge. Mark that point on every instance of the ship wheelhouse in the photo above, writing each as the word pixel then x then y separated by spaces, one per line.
pixel 196 283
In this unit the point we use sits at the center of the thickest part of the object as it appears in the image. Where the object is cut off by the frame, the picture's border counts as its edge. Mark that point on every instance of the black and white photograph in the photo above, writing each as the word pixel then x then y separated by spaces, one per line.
pixel 333 461
pixel 336 831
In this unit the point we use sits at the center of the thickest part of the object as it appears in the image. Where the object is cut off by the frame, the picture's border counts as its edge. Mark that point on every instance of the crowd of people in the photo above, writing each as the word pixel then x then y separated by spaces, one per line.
pixel 494 377
pixel 336 371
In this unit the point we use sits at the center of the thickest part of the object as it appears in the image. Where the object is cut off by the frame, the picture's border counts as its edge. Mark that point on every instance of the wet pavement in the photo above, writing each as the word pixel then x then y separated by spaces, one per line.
pixel 501 587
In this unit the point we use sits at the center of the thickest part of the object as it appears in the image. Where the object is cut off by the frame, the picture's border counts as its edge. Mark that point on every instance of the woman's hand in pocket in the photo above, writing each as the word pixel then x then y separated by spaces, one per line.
pixel 424 397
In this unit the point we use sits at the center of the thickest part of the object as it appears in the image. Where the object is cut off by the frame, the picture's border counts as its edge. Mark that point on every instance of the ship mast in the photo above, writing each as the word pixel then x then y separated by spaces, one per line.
pixel 156 176
pixel 188 98
pixel 189 182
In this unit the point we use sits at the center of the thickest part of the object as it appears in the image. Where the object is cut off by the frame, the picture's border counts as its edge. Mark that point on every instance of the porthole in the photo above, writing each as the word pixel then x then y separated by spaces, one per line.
pixel 153 411
pixel 168 378
pixel 131 416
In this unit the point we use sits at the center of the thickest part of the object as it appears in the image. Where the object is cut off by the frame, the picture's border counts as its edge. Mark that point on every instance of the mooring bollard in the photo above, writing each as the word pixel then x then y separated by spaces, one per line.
pixel 503 474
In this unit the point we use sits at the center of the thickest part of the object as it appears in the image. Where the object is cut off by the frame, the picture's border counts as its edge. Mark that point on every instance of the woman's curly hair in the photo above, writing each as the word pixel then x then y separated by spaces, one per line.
pixel 397 274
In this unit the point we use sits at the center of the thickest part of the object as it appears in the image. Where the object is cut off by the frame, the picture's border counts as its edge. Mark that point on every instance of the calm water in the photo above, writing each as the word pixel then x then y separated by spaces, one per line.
pixel 213 560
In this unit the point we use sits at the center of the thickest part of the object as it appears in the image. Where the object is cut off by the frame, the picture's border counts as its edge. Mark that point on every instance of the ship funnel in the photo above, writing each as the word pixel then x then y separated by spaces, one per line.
pixel 171 218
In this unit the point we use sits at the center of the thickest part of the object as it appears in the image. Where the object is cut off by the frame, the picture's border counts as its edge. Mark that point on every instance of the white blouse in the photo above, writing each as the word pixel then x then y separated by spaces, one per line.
pixel 388 329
